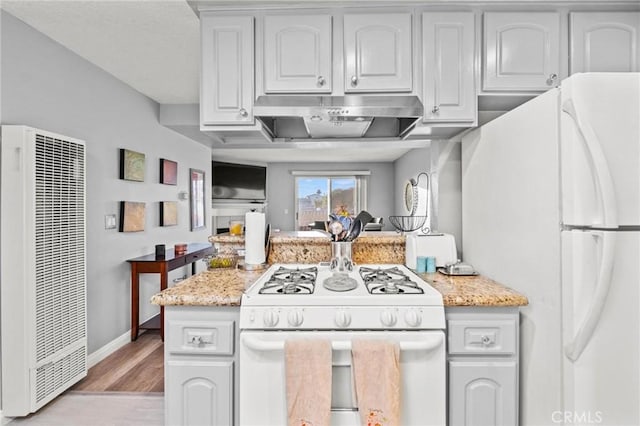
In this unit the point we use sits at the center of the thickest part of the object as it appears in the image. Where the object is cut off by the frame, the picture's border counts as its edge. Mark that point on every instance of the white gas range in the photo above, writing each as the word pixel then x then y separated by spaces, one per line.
pixel 385 297
pixel 300 301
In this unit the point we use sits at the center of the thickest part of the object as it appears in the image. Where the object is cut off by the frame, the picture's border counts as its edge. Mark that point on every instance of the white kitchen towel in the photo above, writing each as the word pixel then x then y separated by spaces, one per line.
pixel 254 224
pixel 308 373
pixel 376 373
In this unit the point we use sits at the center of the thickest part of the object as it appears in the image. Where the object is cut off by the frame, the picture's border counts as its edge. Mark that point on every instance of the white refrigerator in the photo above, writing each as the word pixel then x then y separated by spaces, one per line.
pixel 551 208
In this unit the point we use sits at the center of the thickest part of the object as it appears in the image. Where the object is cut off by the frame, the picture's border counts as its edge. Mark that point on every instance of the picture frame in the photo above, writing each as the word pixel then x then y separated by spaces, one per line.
pixel 168 213
pixel 132 165
pixel 197 201
pixel 132 216
pixel 168 172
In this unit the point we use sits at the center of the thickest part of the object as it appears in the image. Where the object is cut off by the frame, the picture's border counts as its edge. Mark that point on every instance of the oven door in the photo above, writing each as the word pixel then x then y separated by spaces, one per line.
pixel 262 375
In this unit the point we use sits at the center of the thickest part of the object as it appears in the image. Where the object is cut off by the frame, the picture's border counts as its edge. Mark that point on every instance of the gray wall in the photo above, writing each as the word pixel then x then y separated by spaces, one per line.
pixel 281 190
pixel 442 159
pixel 44 85
pixel 408 166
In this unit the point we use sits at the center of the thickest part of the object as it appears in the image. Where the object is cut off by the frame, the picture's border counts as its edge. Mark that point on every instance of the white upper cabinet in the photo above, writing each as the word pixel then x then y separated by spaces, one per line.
pixel 447 66
pixel 297 53
pixel 226 96
pixel 604 41
pixel 378 52
pixel 521 51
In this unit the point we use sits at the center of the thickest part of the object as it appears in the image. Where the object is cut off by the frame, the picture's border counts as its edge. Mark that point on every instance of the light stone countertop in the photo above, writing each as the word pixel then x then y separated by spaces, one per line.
pixel 473 291
pixel 224 287
pixel 221 287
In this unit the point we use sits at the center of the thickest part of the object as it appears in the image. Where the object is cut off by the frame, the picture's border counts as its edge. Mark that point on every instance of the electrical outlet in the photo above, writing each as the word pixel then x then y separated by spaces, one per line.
pixel 110 221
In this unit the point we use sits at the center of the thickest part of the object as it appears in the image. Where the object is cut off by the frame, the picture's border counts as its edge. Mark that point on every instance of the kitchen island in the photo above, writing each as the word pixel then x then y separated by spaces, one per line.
pixel 224 287
pixel 315 246
pixel 201 357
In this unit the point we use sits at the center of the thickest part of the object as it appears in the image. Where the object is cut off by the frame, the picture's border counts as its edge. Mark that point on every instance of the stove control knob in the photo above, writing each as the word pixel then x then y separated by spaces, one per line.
pixel 388 318
pixel 343 318
pixel 295 318
pixel 270 318
pixel 413 318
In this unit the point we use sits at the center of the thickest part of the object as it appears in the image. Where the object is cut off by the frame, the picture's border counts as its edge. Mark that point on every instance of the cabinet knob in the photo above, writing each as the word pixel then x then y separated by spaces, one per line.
pixel 552 79
pixel 486 340
pixel 435 109
pixel 196 340
pixel 321 81
pixel 354 80
pixel 244 112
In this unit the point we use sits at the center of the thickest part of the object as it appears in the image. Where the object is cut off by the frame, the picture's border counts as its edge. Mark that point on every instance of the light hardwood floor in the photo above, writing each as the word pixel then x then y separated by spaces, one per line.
pixel 124 389
pixel 136 367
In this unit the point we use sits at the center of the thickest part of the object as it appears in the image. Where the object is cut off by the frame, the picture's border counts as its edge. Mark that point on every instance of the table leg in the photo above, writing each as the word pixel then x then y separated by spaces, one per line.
pixel 193 268
pixel 164 281
pixel 135 296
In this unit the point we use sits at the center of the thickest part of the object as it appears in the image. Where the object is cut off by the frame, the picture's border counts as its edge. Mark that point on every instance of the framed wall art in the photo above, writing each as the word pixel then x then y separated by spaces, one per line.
pixel 197 204
pixel 168 213
pixel 168 172
pixel 132 216
pixel 131 165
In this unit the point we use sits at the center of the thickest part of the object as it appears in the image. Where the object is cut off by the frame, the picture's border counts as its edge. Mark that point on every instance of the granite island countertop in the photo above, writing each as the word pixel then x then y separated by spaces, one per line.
pixel 315 246
pixel 224 287
pixel 221 287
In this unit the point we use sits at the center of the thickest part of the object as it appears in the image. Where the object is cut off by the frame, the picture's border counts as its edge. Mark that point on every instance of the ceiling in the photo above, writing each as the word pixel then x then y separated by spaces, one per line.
pixel 154 47
pixel 151 45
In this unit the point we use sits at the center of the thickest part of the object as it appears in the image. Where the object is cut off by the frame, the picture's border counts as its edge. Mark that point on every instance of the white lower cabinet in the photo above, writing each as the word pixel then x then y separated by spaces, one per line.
pixel 201 365
pixel 485 393
pixel 199 393
pixel 202 369
pixel 482 360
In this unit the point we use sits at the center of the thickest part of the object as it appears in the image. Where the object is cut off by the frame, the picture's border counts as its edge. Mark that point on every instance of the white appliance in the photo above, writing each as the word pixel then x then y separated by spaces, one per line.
pixel 440 246
pixel 42 268
pixel 388 302
pixel 551 208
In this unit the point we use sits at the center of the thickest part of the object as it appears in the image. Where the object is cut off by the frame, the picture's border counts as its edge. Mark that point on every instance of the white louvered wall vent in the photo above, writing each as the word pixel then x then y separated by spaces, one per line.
pixel 43 211
pixel 60 241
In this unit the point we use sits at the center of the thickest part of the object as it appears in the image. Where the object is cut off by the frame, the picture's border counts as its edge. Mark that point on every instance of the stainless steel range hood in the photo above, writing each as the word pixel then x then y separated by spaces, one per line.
pixel 337 117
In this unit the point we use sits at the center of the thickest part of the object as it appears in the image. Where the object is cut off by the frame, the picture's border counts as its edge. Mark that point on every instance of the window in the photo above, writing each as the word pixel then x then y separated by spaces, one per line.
pixel 319 195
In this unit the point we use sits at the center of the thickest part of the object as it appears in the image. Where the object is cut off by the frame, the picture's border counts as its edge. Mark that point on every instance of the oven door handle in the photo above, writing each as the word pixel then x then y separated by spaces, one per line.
pixel 259 345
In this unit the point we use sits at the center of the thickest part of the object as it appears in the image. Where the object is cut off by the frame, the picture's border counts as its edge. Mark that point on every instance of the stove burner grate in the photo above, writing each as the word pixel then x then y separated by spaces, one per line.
pixel 291 281
pixel 388 281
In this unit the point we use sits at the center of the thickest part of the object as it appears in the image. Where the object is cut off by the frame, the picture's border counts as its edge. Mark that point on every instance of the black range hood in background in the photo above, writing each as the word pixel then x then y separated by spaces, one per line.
pixel 338 117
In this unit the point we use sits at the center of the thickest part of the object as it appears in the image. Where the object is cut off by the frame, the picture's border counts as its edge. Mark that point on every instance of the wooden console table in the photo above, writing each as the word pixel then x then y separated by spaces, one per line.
pixel 150 264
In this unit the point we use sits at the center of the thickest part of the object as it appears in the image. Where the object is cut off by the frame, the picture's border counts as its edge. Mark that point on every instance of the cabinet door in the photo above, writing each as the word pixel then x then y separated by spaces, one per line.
pixel 448 58
pixel 297 53
pixel 521 51
pixel 227 70
pixel 483 393
pixel 605 41
pixel 378 52
pixel 199 393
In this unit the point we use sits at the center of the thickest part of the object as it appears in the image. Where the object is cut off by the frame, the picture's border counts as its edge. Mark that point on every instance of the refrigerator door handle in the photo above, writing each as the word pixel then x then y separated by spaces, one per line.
pixel 574 349
pixel 599 166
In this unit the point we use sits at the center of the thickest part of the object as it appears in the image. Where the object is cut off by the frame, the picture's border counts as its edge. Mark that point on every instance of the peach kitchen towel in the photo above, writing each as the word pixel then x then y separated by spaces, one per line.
pixel 308 377
pixel 376 373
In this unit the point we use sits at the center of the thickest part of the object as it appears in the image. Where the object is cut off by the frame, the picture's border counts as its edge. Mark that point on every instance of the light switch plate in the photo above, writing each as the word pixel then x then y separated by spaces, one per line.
pixel 110 221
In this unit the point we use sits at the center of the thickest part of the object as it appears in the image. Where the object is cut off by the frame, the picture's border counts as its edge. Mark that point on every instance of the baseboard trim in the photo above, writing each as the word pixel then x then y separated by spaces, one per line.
pixel 100 354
